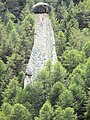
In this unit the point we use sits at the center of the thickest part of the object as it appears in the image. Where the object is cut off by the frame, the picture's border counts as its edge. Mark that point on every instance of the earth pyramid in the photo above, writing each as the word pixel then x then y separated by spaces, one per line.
pixel 44 42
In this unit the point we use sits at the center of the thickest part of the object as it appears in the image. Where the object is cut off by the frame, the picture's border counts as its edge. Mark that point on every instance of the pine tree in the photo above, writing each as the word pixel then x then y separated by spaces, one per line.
pixel 64 114
pixel 87 75
pixel 83 15
pixel 72 58
pixel 10 26
pixel 21 112
pixel 60 43
pixel 69 114
pixel 65 99
pixel 58 114
pixel 2 116
pixel 87 114
pixel 32 97
pixel 86 49
pixel 59 73
pixel 46 112
pixel 11 91
pixel 56 91
pixel 7 109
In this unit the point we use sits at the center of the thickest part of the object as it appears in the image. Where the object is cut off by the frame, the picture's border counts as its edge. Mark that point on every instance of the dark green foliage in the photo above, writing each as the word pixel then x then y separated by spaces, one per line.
pixel 20 112
pixel 59 73
pixel 84 14
pixel 5 45
pixel 46 112
pixel 65 99
pixel 51 74
pixel 15 6
pixel 65 114
pixel 2 116
pixel 10 93
pixel 15 62
pixel 3 69
pixel 60 43
pixel 87 74
pixel 10 26
pixel 72 58
pixel 8 111
pixel 87 114
pixel 86 49
pixel 78 88
pixel 16 112
pixel 32 97
pixel 56 91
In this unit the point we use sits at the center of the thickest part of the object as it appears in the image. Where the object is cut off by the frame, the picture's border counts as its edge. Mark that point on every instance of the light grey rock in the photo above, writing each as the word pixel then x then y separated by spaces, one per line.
pixel 43 48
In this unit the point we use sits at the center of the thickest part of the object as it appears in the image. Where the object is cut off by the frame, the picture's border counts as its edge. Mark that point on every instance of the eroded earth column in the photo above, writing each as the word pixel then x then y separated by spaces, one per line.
pixel 44 43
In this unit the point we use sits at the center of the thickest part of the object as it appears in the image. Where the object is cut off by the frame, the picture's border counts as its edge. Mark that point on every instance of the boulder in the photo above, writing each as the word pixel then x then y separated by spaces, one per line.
pixel 41 8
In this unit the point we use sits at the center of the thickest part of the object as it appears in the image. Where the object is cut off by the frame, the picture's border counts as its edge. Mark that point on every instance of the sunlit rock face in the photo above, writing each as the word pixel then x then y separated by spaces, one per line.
pixel 44 45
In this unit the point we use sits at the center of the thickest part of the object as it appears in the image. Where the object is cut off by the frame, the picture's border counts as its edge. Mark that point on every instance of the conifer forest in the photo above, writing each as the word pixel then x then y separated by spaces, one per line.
pixel 61 90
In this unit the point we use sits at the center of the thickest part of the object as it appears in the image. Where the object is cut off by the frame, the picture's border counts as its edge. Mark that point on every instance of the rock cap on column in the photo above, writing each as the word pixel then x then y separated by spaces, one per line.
pixel 41 8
